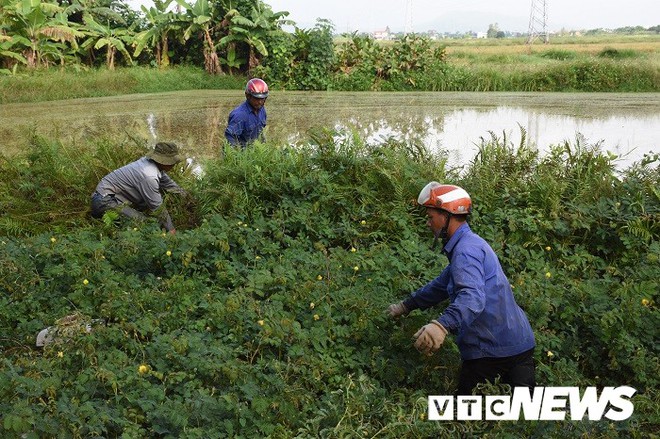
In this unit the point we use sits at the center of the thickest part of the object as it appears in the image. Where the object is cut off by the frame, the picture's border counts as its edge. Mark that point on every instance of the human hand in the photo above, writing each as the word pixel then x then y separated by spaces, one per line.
pixel 397 310
pixel 430 337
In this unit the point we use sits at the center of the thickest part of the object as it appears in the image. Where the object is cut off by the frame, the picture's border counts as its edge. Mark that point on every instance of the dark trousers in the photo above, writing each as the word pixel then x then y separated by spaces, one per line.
pixel 101 204
pixel 516 371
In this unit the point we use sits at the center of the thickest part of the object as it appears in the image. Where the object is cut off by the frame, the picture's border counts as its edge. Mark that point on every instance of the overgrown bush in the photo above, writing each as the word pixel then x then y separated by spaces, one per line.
pixel 265 319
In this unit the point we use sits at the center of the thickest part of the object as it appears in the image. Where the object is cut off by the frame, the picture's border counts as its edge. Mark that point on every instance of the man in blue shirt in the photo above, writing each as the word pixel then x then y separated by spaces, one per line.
pixel 247 121
pixel 493 334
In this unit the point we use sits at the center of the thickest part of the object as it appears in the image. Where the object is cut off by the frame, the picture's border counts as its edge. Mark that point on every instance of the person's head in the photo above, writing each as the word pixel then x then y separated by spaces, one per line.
pixel 165 154
pixel 447 207
pixel 256 93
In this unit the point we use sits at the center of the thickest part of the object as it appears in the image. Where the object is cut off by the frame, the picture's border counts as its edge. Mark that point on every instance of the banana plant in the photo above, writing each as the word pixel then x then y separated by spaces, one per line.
pixel 113 39
pixel 41 28
pixel 254 30
pixel 231 60
pixel 161 24
pixel 14 59
pixel 198 20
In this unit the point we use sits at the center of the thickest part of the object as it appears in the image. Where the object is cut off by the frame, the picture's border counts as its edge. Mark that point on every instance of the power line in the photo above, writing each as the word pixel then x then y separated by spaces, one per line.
pixel 538 22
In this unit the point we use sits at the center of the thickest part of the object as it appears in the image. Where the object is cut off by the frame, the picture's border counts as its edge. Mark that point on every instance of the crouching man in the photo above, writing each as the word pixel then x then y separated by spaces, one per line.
pixel 138 187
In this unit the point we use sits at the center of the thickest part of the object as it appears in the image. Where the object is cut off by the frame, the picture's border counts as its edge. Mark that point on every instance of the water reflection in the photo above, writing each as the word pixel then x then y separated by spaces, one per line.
pixel 452 122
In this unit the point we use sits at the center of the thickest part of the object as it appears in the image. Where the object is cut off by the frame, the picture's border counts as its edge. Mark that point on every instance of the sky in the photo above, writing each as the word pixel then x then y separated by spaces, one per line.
pixel 464 15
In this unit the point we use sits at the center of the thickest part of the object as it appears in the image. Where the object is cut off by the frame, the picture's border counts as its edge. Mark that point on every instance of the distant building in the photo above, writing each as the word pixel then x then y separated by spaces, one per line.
pixel 482 35
pixel 384 34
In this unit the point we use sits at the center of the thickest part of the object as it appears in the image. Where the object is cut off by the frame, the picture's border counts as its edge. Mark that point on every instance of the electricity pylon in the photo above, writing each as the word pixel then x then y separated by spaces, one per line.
pixel 538 22
pixel 408 17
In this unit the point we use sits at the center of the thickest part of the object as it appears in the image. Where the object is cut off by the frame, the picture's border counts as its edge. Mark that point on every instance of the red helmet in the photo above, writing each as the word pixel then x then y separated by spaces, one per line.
pixel 447 197
pixel 257 88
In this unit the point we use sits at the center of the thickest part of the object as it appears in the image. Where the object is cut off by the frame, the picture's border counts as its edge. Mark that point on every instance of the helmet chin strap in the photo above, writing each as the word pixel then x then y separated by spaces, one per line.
pixel 442 233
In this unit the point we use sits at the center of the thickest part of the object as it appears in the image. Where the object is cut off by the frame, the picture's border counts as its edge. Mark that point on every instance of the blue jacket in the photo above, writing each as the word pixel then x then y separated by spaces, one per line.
pixel 482 312
pixel 244 126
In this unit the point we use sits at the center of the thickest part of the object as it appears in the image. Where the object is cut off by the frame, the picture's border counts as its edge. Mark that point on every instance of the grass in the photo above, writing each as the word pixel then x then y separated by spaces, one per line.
pixel 55 84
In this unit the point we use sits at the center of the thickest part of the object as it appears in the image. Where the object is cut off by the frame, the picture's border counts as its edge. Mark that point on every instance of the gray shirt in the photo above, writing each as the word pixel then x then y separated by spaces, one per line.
pixel 138 183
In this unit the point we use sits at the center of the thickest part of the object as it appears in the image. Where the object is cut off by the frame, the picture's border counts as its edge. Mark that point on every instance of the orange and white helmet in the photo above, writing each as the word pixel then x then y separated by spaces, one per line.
pixel 453 199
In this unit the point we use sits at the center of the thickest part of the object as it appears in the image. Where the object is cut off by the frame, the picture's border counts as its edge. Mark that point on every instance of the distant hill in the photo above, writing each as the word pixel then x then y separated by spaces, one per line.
pixel 473 21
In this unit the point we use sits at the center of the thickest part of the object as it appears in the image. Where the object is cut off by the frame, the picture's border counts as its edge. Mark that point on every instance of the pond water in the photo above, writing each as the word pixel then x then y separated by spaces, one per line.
pixel 626 124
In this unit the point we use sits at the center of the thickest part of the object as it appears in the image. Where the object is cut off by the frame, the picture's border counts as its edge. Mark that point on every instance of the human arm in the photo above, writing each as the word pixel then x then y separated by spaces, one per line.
pixel 430 294
pixel 235 128
pixel 169 185
pixel 470 292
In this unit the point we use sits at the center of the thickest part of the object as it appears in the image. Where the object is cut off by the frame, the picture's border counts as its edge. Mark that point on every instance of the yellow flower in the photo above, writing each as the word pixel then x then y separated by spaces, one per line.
pixel 550 354
pixel 319 277
pixel 548 274
pixel 163 234
pixel 143 368
pixel 548 248
pixel 353 249
pixel 646 302
pixel 363 222
pixel 85 282
pixel 53 239
pixel 168 253
pixel 258 258
pixel 356 268
pixel 60 354
pixel 316 317
pixel 312 305
pixel 260 322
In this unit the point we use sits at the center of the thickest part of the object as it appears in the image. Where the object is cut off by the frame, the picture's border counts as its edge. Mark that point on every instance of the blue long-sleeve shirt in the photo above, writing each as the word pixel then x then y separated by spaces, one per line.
pixel 482 311
pixel 244 126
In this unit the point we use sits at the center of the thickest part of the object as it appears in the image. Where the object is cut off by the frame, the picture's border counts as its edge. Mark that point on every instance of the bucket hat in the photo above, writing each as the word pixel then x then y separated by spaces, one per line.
pixel 165 153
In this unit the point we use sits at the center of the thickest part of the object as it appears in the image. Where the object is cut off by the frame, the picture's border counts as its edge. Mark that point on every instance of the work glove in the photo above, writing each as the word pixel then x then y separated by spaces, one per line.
pixel 430 337
pixel 397 310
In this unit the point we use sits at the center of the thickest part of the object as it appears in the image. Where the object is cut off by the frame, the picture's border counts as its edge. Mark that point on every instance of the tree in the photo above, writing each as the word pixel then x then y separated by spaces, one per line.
pixel 41 28
pixel 162 23
pixel 13 57
pixel 113 39
pixel 198 19
pixel 254 30
pixel 493 29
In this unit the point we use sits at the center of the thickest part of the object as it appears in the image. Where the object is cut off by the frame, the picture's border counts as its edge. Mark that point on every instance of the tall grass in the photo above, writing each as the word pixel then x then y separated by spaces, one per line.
pixel 54 84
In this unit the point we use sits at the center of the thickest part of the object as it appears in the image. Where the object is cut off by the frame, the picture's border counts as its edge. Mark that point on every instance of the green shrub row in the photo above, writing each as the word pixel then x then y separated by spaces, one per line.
pixel 264 316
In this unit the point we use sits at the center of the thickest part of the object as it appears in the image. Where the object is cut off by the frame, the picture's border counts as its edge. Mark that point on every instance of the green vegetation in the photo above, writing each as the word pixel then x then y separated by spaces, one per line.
pixel 263 317
pixel 362 65
pixel 48 85
pixel 55 51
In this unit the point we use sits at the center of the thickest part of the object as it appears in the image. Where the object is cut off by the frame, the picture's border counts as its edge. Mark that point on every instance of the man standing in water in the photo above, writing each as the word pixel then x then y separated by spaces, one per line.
pixel 247 121
pixel 492 332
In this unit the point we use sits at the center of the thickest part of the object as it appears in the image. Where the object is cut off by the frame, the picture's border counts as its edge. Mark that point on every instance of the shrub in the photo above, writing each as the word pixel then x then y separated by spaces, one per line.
pixel 266 319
